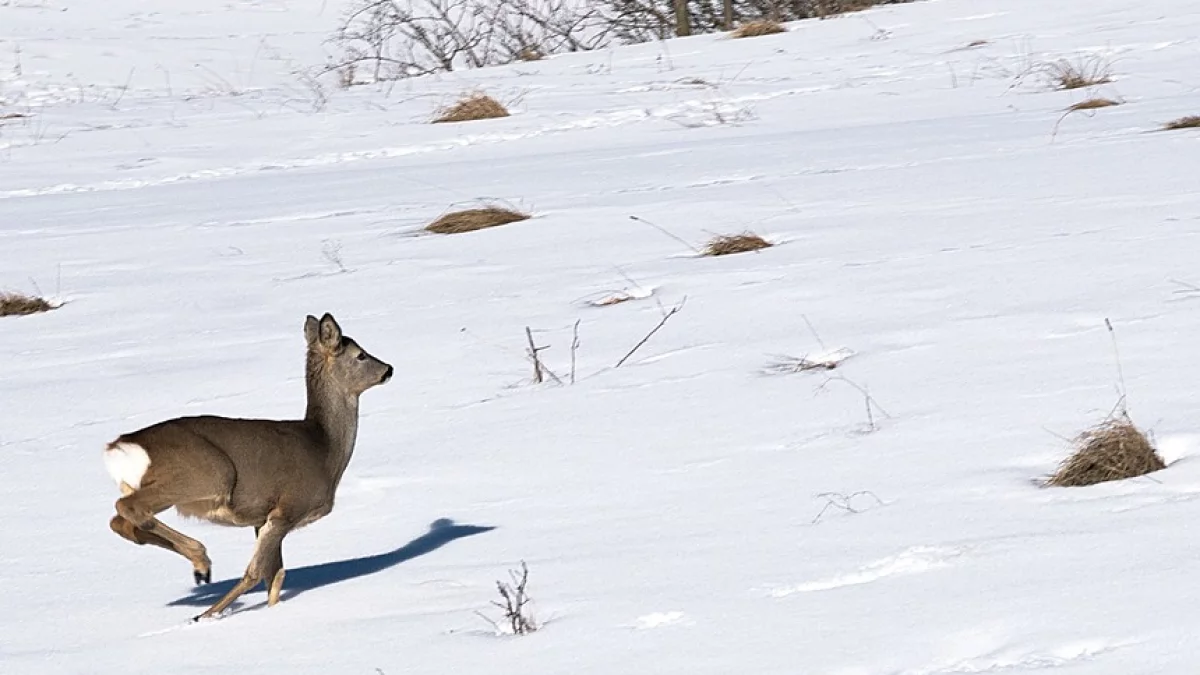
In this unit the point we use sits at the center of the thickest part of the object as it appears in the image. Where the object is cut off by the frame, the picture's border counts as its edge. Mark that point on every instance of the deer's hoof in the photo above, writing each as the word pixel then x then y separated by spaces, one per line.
pixel 204 577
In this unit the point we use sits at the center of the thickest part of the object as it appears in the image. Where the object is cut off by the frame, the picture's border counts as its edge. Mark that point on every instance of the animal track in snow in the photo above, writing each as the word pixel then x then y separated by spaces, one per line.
pixel 909 561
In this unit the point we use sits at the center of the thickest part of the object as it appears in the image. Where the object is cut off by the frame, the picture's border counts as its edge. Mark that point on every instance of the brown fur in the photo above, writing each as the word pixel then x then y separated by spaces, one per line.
pixel 272 475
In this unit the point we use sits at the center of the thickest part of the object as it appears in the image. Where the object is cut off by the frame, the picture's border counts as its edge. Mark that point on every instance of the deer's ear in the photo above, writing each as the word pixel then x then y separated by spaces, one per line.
pixel 331 333
pixel 312 329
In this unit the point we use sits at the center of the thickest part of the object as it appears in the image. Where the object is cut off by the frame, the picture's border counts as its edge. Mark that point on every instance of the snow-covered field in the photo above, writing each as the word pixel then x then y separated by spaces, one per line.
pixel 191 198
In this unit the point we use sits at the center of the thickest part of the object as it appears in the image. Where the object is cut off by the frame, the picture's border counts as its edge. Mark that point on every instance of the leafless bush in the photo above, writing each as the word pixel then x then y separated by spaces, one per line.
pixel 381 40
pixel 393 39
pixel 634 21
pixel 514 603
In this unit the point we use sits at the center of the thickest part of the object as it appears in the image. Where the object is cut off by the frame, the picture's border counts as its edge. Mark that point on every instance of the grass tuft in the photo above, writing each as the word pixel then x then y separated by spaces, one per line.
pixel 1084 72
pixel 530 54
pixel 1189 122
pixel 15 304
pixel 471 107
pixel 470 220
pixel 1113 450
pixel 728 244
pixel 1093 104
pixel 759 28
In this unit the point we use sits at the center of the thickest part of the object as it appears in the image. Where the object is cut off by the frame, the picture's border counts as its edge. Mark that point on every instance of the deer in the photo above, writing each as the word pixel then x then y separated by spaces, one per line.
pixel 272 475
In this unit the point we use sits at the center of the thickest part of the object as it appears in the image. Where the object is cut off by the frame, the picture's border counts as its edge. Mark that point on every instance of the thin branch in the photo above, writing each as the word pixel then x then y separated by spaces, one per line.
pixel 1120 372
pixel 533 354
pixel 661 323
pixel 666 232
pixel 844 502
pixel 574 347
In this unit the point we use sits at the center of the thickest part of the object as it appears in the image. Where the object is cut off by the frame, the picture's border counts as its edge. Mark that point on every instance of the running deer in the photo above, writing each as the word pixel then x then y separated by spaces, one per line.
pixel 274 476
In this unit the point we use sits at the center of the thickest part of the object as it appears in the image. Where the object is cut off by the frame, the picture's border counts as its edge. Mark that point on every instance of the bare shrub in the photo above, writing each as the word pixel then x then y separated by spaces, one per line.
pixel 475 106
pixel 728 244
pixel 1115 449
pixel 514 603
pixel 1189 122
pixel 758 29
pixel 632 21
pixel 1065 74
pixel 16 304
pixel 394 39
pixel 469 220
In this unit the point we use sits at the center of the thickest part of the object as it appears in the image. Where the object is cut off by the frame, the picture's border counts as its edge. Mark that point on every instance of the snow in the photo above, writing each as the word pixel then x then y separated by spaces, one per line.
pixel 190 198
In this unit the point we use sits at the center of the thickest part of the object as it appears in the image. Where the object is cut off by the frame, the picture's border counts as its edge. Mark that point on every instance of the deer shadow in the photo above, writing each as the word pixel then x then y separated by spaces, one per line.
pixel 301 579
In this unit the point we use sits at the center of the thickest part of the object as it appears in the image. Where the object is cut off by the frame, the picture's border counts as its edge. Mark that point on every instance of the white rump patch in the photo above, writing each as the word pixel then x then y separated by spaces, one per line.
pixel 126 463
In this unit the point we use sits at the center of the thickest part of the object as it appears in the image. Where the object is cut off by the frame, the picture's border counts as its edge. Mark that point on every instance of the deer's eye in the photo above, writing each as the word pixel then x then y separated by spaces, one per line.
pixel 362 356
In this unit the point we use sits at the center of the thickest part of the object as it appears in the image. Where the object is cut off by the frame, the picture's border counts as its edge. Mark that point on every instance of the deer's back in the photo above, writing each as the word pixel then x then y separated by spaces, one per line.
pixel 252 465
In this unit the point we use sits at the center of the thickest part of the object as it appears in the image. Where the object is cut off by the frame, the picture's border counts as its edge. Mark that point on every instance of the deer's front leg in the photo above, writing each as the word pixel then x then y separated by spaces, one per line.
pixel 266 565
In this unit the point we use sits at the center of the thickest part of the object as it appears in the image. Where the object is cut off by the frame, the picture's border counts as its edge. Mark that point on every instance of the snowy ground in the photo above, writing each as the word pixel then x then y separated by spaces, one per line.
pixel 191 198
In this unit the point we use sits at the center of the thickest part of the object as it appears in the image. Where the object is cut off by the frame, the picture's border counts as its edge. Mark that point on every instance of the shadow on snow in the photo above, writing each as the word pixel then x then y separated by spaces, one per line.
pixel 300 579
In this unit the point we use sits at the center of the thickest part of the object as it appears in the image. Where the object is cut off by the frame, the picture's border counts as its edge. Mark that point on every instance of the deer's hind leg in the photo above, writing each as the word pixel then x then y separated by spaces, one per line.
pixel 162 536
pixel 159 491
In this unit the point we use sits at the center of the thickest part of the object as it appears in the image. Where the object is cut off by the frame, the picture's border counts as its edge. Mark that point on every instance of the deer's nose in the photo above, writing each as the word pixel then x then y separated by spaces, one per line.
pixel 387 375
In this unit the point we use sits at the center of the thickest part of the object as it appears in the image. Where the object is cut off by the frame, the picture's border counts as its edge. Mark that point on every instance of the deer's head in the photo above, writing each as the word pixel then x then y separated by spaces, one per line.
pixel 339 360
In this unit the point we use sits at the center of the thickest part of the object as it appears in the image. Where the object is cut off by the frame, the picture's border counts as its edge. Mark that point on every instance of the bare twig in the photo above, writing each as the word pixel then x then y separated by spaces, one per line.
pixel 574 347
pixel 514 604
pixel 533 354
pixel 869 401
pixel 1123 401
pixel 666 232
pixel 332 250
pixel 540 369
pixel 666 316
pixel 814 332
pixel 837 500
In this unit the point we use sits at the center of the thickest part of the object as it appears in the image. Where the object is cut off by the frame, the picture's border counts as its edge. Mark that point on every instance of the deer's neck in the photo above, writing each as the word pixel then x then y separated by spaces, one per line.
pixel 333 415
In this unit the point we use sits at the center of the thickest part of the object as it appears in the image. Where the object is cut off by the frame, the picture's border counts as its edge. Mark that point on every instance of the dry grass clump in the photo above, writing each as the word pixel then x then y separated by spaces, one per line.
pixel 728 244
pixel 759 28
pixel 1085 72
pixel 472 107
pixel 15 304
pixel 1114 450
pixel 1093 104
pixel 530 54
pixel 1189 122
pixel 470 220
